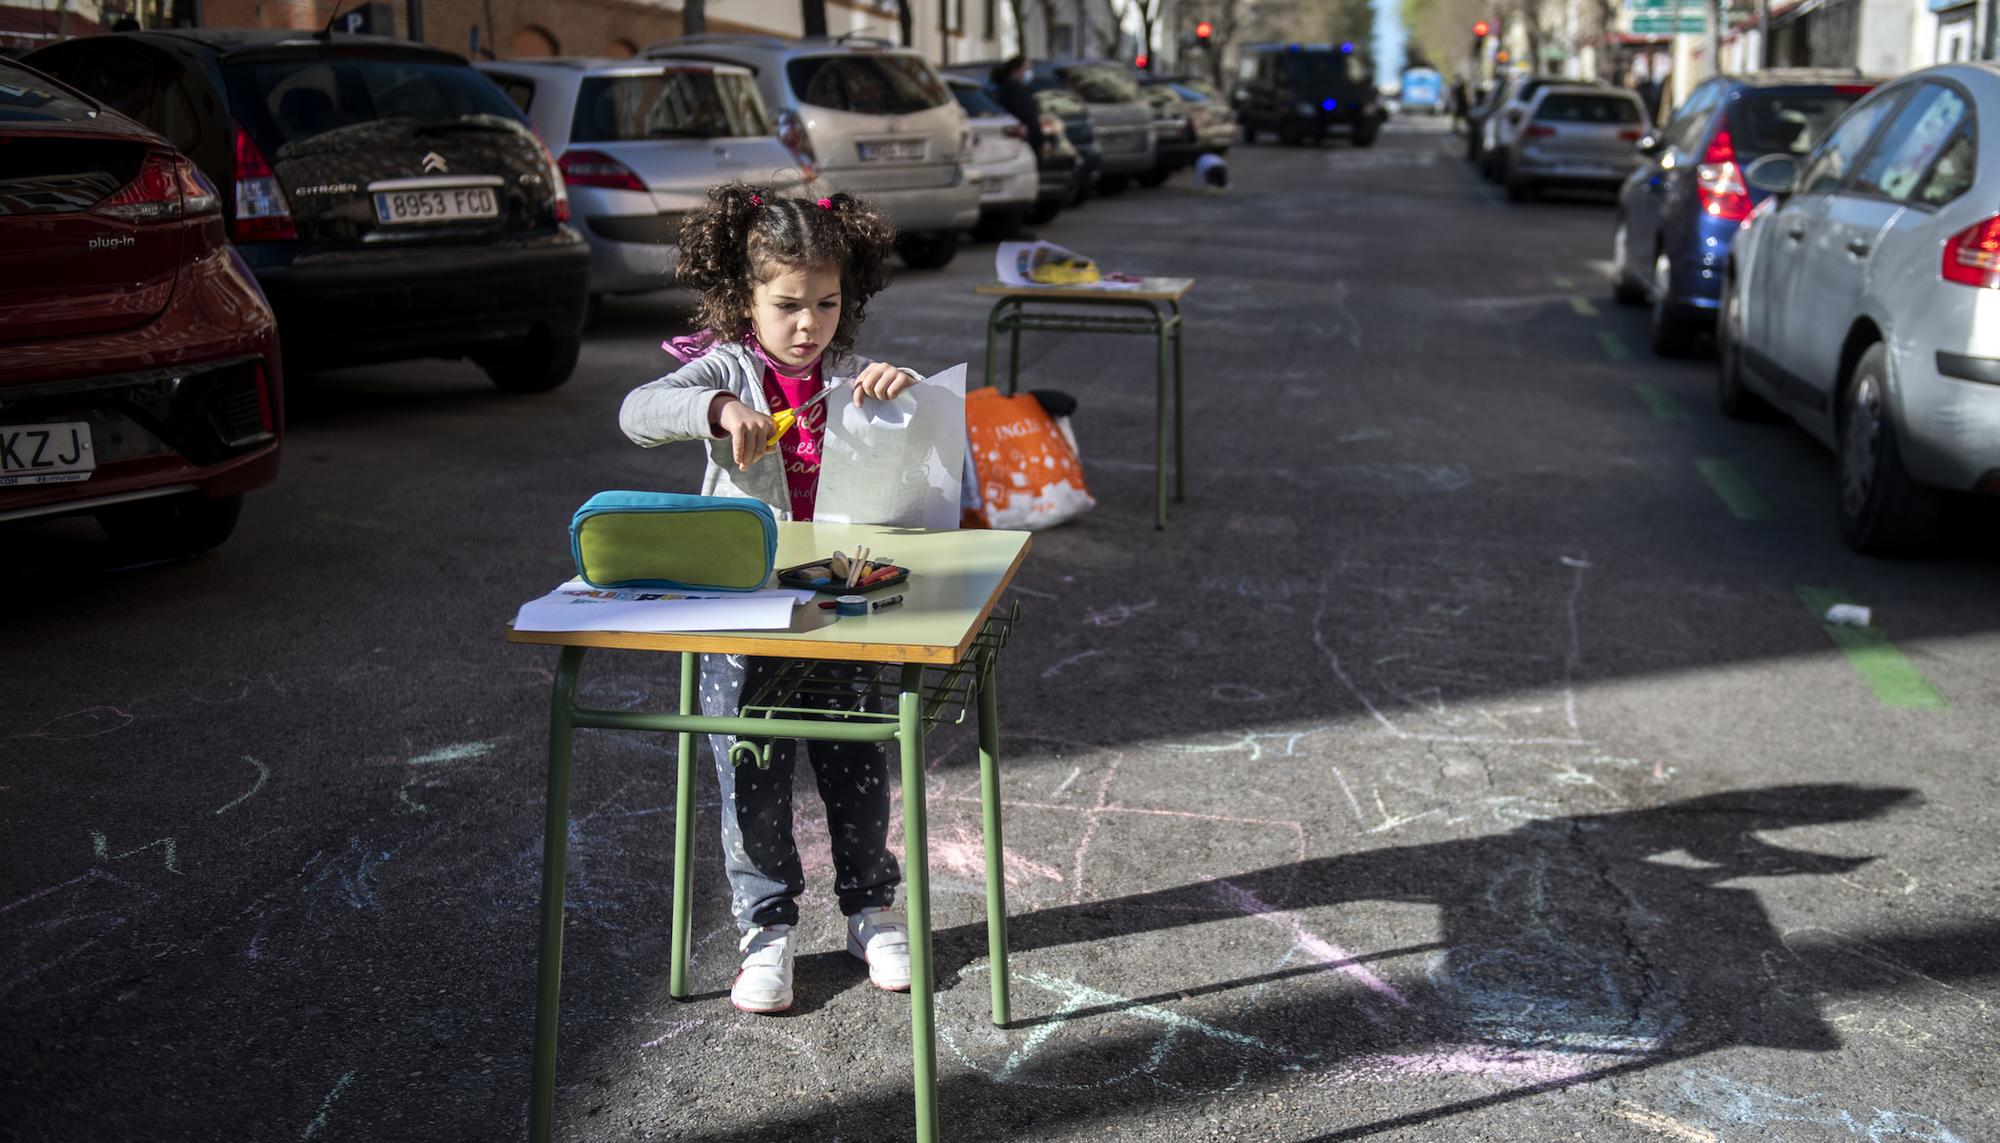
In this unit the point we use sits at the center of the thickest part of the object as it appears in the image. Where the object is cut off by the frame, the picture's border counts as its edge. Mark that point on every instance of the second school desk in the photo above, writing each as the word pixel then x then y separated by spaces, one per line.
pixel 935 653
pixel 1069 309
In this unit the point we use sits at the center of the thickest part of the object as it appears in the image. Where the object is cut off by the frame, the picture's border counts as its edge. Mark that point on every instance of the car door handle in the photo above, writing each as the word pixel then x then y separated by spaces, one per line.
pixel 1858 247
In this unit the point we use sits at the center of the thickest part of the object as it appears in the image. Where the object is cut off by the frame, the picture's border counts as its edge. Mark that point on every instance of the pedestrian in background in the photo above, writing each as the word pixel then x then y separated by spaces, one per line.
pixel 782 284
pixel 1010 89
pixel 1458 98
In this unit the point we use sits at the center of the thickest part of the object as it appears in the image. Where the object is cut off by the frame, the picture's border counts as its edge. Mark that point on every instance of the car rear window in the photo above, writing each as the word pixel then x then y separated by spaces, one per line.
pixel 1103 83
pixel 1319 67
pixel 975 101
pixel 867 84
pixel 1791 123
pixel 672 105
pixel 1610 110
pixel 288 101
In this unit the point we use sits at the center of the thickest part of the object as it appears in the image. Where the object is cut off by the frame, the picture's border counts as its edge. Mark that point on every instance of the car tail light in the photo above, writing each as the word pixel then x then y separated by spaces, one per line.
pixel 1632 135
pixel 1015 131
pixel 560 206
pixel 1718 184
pixel 1540 131
pixel 586 168
pixel 153 195
pixel 792 133
pixel 262 214
pixel 198 195
pixel 1853 88
pixel 1972 256
pixel 264 399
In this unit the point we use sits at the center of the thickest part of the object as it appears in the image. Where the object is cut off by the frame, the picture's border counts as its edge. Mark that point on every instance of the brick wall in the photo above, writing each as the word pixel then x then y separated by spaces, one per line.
pixel 575 27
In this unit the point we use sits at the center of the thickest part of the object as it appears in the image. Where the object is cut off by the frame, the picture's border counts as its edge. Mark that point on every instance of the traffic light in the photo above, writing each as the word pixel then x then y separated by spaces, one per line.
pixel 1203 30
pixel 1482 29
pixel 1139 61
pixel 1501 56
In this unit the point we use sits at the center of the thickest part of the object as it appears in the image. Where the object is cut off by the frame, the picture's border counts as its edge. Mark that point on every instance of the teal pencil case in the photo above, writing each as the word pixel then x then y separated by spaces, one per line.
pixel 674 542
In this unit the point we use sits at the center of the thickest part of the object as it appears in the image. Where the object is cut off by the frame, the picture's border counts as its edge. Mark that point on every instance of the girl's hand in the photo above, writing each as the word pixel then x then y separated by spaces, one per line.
pixel 747 430
pixel 882 381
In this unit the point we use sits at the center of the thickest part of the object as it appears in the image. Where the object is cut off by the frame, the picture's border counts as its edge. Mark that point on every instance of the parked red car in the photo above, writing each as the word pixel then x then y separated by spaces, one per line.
pixel 139 375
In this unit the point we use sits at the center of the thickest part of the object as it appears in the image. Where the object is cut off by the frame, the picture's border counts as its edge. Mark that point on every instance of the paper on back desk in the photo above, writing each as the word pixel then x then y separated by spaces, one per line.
pixel 575 606
pixel 896 462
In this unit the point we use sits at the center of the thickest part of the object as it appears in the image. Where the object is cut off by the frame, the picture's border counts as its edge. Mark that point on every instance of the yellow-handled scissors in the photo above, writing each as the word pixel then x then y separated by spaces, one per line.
pixel 786 418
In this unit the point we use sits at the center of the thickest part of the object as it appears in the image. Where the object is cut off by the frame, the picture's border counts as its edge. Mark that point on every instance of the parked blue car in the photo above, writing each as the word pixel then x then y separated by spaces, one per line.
pixel 1423 90
pixel 1679 211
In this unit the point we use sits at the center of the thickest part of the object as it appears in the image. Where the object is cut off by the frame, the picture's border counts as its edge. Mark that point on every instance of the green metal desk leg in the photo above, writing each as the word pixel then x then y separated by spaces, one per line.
pixel 555 845
pixel 996 865
pixel 1014 350
pixel 1160 424
pixel 917 898
pixel 681 938
pixel 992 327
pixel 1180 461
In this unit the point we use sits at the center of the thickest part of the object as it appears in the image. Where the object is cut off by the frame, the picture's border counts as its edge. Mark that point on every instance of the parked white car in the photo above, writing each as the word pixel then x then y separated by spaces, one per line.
pixel 1863 300
pixel 639 144
pixel 1002 165
pixel 874 120
pixel 1502 123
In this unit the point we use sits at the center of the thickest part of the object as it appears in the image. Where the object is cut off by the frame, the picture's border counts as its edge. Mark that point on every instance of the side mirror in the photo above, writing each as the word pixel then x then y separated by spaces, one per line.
pixel 1777 174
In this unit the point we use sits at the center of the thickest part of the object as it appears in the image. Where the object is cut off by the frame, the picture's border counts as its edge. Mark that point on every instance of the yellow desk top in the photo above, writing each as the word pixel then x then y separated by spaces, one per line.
pixel 1148 290
pixel 955 582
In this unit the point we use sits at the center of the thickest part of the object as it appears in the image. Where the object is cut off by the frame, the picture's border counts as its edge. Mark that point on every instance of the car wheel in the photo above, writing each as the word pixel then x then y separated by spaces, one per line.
pixel 1365 137
pixel 1670 333
pixel 1520 190
pixel 173 526
pixel 1731 396
pixel 1082 193
pixel 928 251
pixel 1112 185
pixel 1624 290
pixel 1153 179
pixel 1288 133
pixel 1882 510
pixel 1044 212
pixel 534 364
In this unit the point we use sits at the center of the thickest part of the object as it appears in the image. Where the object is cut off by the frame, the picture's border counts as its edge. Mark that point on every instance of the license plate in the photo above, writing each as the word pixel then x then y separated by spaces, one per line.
pixel 895 150
pixel 441 204
pixel 46 454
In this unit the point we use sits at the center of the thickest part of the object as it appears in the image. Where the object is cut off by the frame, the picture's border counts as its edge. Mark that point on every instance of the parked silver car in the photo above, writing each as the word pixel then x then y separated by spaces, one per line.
pixel 1002 164
pixel 1580 137
pixel 1120 113
pixel 639 143
pixel 1863 300
pixel 873 119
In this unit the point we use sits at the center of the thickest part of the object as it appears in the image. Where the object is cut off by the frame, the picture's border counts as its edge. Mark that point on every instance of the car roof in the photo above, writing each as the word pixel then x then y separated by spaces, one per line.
pixel 756 45
pixel 226 42
pixel 1803 77
pixel 615 65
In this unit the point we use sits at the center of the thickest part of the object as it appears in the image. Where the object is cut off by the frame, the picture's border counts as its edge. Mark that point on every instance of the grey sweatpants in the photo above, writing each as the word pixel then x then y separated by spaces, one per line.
pixel 759 852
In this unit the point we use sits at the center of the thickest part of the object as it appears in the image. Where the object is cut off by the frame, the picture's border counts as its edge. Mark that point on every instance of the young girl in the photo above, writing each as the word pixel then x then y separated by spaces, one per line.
pixel 783 283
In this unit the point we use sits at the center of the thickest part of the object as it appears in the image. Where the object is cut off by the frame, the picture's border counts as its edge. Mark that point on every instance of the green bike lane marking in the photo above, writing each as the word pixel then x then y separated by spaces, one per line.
pixel 1614 346
pixel 1738 494
pixel 1662 401
pixel 1582 305
pixel 1887 671
pixel 1564 283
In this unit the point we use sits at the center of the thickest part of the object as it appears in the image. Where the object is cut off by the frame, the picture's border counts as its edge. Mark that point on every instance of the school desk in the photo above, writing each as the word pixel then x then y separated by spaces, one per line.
pixel 1082 309
pixel 934 655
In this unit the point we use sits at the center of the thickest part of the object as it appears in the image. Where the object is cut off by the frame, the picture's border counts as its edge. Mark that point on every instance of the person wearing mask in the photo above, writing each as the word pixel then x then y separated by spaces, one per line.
pixel 1010 90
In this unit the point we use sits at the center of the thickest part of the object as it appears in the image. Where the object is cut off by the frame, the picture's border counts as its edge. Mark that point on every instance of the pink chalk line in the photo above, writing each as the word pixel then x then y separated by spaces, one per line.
pixel 1445 1060
pixel 1314 946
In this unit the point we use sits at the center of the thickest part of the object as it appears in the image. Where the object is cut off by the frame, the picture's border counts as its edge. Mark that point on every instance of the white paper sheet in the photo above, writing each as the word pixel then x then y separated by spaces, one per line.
pixel 576 606
pixel 896 462
pixel 1015 262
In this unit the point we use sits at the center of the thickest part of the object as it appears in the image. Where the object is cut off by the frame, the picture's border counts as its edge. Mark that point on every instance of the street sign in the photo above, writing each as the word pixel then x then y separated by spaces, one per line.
pixel 1668 24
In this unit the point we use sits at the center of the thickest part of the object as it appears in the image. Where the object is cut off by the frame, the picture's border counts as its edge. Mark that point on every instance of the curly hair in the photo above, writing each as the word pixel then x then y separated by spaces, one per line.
pixel 744 233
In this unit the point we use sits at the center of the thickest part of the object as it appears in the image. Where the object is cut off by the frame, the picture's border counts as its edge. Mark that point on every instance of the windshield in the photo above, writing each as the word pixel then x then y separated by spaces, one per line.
pixel 975 101
pixel 1792 123
pixel 674 105
pixel 867 84
pixel 1319 68
pixel 1103 83
pixel 286 102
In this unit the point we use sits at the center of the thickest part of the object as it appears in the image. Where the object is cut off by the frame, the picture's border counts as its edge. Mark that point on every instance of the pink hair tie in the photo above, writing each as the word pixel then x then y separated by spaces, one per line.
pixel 756 200
pixel 826 204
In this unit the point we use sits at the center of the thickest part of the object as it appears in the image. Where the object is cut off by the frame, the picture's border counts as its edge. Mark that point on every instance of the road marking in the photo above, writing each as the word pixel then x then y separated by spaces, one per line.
pixel 1564 283
pixel 1738 495
pixel 1887 671
pixel 1582 305
pixel 1614 346
pixel 1662 401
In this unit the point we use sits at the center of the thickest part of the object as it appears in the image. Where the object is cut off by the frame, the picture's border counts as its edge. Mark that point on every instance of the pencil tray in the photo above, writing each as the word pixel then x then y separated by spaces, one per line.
pixel 792 577
pixel 674 542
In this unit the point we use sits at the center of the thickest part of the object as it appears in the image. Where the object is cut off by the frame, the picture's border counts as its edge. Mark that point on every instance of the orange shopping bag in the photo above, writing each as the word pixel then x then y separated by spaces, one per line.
pixel 1027 469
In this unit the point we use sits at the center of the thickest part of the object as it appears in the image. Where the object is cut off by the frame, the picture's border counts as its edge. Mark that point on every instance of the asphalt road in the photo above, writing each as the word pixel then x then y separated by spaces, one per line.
pixel 1464 762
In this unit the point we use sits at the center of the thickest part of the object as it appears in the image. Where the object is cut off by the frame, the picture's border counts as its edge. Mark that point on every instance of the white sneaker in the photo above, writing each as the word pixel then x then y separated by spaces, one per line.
pixel 881 938
pixel 765 982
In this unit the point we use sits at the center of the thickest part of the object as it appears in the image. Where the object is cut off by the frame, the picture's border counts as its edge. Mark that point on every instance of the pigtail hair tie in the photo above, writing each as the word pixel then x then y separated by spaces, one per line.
pixel 826 204
pixel 756 200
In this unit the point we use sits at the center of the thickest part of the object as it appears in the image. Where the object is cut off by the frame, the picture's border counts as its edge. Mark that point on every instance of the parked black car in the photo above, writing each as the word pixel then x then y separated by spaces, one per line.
pixel 1306 92
pixel 1175 144
pixel 1055 98
pixel 392 202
